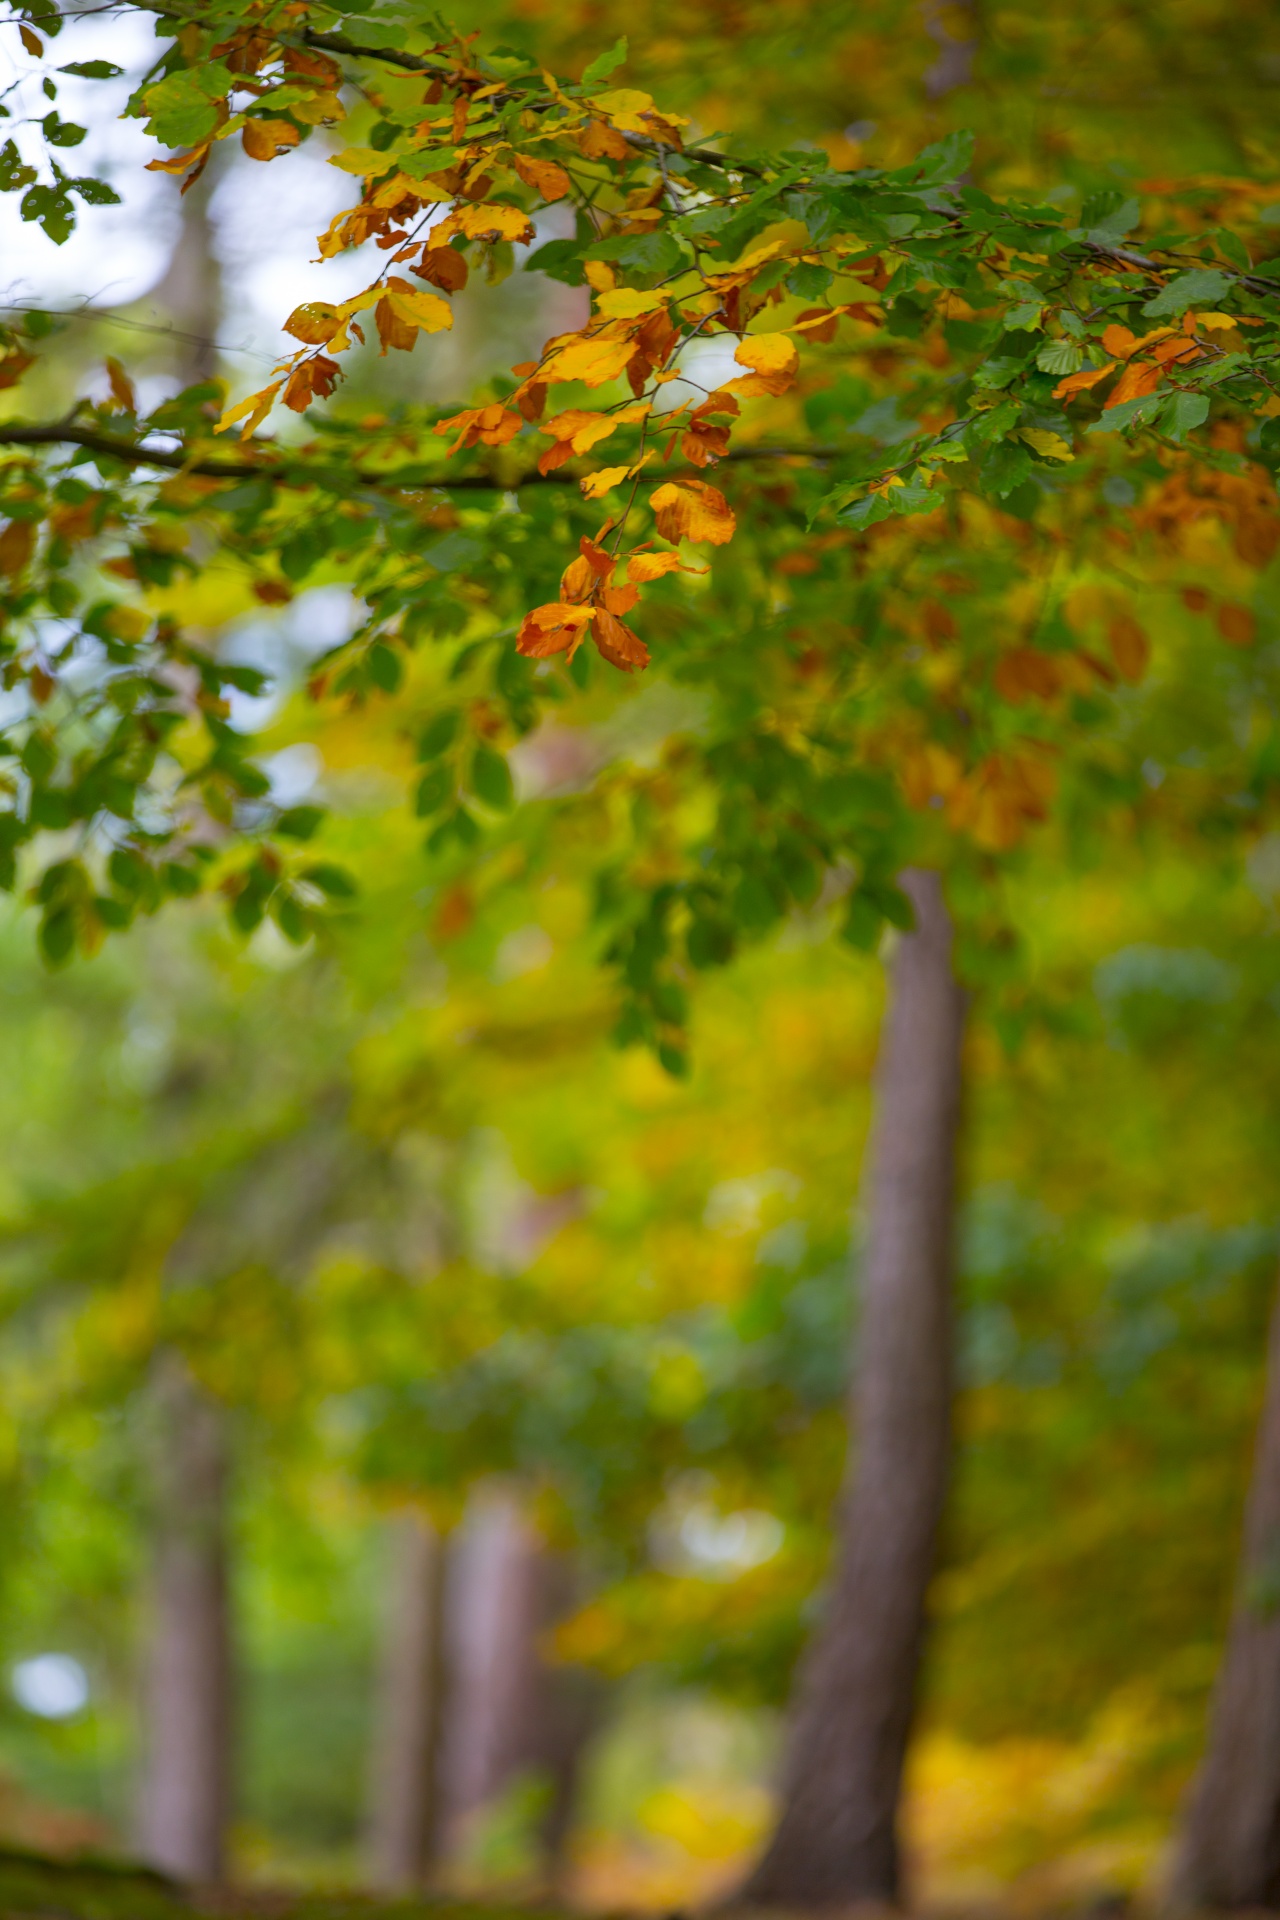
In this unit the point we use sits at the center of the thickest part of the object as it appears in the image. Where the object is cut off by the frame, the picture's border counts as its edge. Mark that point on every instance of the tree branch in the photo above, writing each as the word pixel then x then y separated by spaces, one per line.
pixel 301 471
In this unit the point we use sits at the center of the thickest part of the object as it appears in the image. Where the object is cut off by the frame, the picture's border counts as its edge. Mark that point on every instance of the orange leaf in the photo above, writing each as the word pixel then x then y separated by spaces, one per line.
pixel 652 566
pixel 581 427
pixel 619 599
pixel 692 510
pixel 1082 381
pixel 818 323
pixel 264 139
pixel 544 176
pixel 620 647
pixel 598 141
pixel 252 411
pixel 555 628
pixel 1122 345
pixel 1139 377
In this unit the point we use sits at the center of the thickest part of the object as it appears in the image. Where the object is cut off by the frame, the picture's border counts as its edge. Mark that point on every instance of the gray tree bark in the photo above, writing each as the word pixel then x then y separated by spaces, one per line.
pixel 509 1712
pixel 836 1841
pixel 186 1787
pixel 402 1810
pixel 1228 1850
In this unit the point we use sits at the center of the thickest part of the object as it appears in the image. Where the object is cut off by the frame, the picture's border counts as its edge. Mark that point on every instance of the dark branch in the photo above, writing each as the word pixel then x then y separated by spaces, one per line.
pixel 305 472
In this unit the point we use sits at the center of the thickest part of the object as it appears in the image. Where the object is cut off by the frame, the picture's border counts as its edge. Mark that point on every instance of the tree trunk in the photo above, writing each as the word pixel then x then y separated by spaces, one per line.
pixel 402 1813
pixel 1228 1853
pixel 186 1785
pixel 509 1712
pixel 836 1840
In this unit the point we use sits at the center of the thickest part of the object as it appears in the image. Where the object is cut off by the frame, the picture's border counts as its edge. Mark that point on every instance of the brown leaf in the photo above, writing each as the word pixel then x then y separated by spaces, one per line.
pixel 620 647
pixel 314 322
pixel 264 139
pixel 121 387
pixel 1237 626
pixel 17 543
pixel 444 267
pixel 1130 648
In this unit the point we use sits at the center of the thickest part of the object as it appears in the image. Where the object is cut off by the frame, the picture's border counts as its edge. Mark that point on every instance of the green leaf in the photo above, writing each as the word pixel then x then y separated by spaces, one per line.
pixel 300 823
pixel 1184 413
pixel 93 69
pixel 335 881
pixel 181 105
pixel 1188 290
pixel 1060 357
pixel 605 63
pixel 440 732
pixel 1130 413
pixel 434 789
pixel 491 779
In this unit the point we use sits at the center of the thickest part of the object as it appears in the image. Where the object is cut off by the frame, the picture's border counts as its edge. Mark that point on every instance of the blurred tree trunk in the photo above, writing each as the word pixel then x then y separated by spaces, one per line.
pixel 187 1766
pixel 402 1811
pixel 1228 1852
pixel 187 1777
pixel 836 1840
pixel 509 1712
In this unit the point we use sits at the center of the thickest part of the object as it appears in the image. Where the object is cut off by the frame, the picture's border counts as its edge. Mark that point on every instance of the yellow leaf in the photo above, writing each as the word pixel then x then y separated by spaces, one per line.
pixel 359 160
pixel 692 510
pixel 593 361
pixel 773 359
pixel 417 308
pixel 598 483
pixel 315 322
pixel 1215 322
pixel 627 303
pixel 1051 446
pixel 127 623
pixel 600 275
pixel 767 353
pixel 492 220
pixel 252 411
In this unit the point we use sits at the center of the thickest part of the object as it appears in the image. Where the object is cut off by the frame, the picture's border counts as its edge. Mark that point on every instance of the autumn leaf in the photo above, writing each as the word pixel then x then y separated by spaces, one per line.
pixel 1139 378
pixel 1130 648
pixel 1024 673
pixel 692 510
pixel 314 322
pixel 620 647
pixel 494 220
pixel 773 359
pixel 651 566
pixel 555 628
pixel 252 411
pixel 121 387
pixel 593 360
pixel 416 308
pixel 544 176
pixel 597 484
pixel 492 426
pixel 1237 626
pixel 264 139
pixel 599 141
pixel 1082 381
pixel 627 303
pixel 1050 446
pixel 444 267
pixel 580 428
pixel 17 543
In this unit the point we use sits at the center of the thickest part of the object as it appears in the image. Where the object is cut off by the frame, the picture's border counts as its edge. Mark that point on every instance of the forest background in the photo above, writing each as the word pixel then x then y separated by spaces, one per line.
pixel 450 1237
